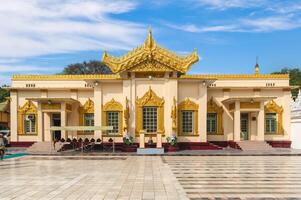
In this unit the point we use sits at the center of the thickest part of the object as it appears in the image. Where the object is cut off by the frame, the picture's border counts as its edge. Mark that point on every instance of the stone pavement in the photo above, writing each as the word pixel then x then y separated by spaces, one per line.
pixel 238 177
pixel 88 178
pixel 151 177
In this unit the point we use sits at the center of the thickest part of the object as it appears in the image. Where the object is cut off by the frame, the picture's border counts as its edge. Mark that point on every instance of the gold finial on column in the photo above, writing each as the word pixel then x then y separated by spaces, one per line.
pixel 257 67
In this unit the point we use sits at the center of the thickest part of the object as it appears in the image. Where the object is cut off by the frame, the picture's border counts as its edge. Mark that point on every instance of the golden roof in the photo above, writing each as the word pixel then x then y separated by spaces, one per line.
pixel 150 57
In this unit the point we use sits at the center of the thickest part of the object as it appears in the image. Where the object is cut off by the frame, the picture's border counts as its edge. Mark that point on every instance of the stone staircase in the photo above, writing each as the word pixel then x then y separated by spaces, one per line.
pixel 44 148
pixel 255 146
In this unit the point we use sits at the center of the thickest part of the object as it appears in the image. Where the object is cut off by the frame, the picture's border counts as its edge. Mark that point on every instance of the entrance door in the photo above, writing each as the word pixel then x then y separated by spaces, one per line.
pixel 56 121
pixel 244 126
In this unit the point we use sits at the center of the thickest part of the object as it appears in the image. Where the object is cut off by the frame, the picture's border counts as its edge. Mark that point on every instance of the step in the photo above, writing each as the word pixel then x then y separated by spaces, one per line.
pixel 255 146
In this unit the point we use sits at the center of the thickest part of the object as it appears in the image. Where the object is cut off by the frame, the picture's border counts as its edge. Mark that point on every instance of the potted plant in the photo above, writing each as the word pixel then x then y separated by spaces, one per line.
pixel 128 142
pixel 172 143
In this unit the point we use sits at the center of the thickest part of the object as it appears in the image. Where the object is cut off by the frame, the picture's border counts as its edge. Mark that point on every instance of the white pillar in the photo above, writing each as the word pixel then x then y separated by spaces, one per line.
pixel 260 123
pixel 202 112
pixel 63 119
pixel 14 115
pixel 97 109
pixel 237 121
pixel 40 123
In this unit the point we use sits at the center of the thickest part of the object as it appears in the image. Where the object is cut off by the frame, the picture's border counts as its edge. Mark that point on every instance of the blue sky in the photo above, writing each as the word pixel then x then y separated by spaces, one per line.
pixel 44 36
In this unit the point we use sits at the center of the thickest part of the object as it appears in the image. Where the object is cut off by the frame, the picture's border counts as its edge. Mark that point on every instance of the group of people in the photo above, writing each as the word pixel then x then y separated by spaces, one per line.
pixel 2 146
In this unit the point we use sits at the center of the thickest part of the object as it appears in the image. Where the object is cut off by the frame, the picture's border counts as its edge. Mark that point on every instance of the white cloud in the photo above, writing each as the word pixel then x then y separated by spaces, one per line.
pixel 226 4
pixel 40 27
pixel 198 29
pixel 255 24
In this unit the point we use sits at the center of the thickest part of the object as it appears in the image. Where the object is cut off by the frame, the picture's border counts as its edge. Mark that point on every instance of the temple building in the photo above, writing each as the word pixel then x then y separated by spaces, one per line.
pixel 151 91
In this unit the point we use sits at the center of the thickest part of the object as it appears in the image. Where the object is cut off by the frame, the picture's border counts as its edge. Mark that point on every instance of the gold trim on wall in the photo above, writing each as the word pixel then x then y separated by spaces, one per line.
pixel 113 106
pixel 149 99
pixel 272 107
pixel 249 105
pixel 212 107
pixel 188 105
pixel 173 115
pixel 27 109
pixel 126 115
pixel 52 106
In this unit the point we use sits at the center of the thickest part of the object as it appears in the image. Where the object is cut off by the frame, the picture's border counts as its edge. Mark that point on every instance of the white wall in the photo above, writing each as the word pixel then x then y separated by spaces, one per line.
pixel 296 134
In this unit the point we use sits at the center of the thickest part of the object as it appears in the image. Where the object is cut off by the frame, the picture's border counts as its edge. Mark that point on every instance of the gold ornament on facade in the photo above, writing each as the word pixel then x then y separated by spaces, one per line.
pixel 27 109
pixel 212 107
pixel 126 115
pixel 272 107
pixel 88 107
pixel 149 55
pixel 150 99
pixel 188 105
pixel 52 106
pixel 174 115
pixel 113 106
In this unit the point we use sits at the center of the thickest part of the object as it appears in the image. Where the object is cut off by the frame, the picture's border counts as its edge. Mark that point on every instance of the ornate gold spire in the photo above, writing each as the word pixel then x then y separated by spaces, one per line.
pixel 256 69
pixel 150 57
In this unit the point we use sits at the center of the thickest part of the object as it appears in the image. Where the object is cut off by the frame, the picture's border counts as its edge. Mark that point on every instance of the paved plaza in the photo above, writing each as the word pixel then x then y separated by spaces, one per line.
pixel 151 177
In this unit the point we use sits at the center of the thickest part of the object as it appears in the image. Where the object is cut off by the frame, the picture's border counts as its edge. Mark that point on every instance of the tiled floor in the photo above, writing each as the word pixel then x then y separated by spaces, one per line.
pixel 245 177
pixel 151 177
pixel 89 178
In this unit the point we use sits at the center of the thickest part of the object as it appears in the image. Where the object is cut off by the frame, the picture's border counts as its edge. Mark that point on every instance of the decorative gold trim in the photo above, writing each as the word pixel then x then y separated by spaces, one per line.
pixel 188 105
pixel 212 107
pixel 272 107
pixel 27 109
pixel 113 106
pixel 149 99
pixel 52 106
pixel 236 76
pixel 173 115
pixel 249 105
pixel 126 115
pixel 150 57
pixel 88 107
pixel 66 77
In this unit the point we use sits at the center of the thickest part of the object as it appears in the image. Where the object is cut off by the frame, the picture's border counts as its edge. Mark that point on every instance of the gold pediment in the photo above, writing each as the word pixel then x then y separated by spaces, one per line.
pixel 28 108
pixel 150 57
pixel 88 107
pixel 112 106
pixel 150 99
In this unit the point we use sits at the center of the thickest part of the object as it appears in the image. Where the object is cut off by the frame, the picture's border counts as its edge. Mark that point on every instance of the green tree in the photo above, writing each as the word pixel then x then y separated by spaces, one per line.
pixel 295 77
pixel 91 67
pixel 3 93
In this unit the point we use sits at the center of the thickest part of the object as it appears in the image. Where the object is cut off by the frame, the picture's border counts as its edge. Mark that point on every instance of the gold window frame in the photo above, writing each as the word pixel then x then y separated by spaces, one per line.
pixel 188 105
pixel 272 107
pixel 88 107
pixel 27 109
pixel 212 107
pixel 150 99
pixel 113 106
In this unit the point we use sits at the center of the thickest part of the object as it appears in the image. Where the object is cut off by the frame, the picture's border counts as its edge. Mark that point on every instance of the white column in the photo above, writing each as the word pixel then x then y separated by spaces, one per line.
pixel 237 121
pixel 202 113
pixel 260 123
pixel 40 123
pixel 97 109
pixel 14 115
pixel 63 119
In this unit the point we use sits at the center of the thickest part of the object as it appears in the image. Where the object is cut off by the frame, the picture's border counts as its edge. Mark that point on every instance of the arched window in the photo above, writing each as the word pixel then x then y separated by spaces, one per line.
pixel 27 119
pixel 273 118
pixel 112 116
pixel 188 118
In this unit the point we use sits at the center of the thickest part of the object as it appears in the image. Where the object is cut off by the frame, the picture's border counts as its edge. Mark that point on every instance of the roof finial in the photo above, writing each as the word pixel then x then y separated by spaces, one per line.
pixel 257 66
pixel 149 42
